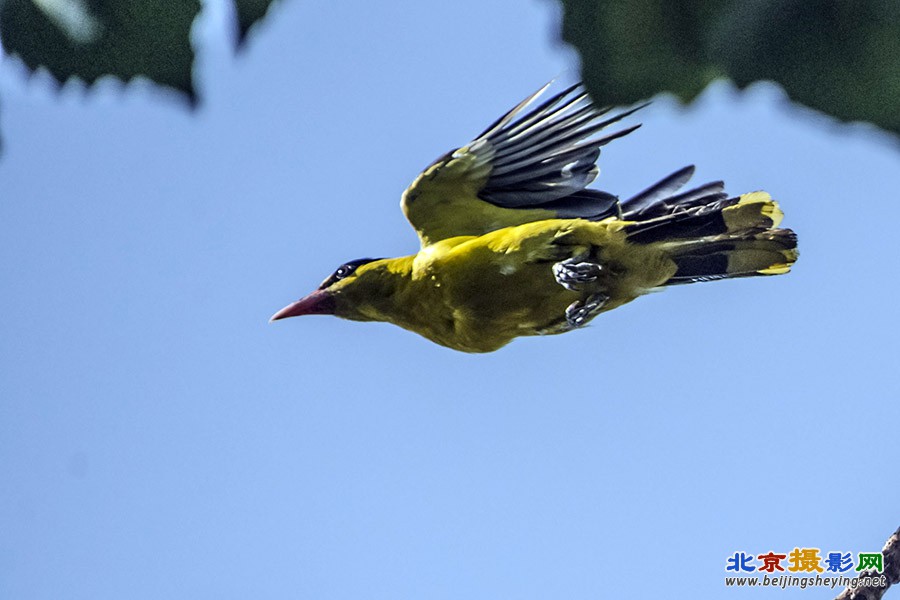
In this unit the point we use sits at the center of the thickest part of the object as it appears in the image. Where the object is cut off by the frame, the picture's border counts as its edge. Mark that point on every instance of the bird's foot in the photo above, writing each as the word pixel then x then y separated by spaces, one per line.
pixel 573 273
pixel 580 313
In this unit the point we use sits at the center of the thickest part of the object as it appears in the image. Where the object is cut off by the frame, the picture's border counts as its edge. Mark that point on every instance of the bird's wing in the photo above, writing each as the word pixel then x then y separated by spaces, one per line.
pixel 527 166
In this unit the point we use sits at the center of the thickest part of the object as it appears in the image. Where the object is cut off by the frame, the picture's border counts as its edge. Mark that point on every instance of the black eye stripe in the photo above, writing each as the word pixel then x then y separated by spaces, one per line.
pixel 345 270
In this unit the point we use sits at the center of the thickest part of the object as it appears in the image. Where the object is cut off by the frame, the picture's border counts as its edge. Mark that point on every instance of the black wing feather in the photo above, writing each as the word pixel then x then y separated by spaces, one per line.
pixel 547 157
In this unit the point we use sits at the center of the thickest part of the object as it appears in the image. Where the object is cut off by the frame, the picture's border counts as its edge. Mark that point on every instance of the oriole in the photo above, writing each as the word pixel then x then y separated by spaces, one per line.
pixel 513 243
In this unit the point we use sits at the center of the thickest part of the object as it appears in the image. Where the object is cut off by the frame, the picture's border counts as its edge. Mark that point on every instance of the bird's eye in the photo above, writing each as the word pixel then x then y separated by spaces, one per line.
pixel 343 271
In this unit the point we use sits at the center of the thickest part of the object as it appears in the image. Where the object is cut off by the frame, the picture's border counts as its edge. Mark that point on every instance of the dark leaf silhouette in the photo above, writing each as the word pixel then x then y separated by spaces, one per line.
pixel 841 57
pixel 248 13
pixel 93 38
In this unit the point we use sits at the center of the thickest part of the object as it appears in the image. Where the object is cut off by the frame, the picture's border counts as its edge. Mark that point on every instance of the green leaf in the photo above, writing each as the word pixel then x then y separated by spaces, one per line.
pixel 248 13
pixel 841 57
pixel 93 38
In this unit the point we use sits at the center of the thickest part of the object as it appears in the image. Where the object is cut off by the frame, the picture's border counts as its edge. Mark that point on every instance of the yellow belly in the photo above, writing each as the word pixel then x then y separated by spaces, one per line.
pixel 487 290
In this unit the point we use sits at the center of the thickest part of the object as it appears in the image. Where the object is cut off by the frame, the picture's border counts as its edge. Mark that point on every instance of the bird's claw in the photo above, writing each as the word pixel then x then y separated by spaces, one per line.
pixel 579 313
pixel 574 272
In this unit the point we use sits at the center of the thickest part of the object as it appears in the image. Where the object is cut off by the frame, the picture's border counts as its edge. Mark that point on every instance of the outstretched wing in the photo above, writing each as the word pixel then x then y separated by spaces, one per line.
pixel 525 167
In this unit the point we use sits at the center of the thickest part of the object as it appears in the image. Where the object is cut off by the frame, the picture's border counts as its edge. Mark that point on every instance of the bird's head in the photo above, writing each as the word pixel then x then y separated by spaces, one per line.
pixel 337 295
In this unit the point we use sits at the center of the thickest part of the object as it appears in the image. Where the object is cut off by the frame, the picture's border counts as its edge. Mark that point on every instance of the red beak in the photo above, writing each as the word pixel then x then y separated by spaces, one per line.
pixel 317 303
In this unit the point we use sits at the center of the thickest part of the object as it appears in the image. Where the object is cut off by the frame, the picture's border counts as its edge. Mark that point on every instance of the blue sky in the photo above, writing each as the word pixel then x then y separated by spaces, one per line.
pixel 159 439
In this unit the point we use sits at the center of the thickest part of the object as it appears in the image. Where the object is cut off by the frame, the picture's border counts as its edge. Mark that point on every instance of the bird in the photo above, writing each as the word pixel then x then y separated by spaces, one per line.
pixel 513 243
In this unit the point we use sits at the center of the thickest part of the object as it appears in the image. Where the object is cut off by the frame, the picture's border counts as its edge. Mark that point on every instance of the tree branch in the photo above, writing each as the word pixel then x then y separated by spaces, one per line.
pixel 891 553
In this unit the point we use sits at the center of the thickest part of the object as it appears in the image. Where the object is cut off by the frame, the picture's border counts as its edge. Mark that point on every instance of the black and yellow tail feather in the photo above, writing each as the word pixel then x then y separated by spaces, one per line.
pixel 731 255
pixel 751 211
pixel 725 238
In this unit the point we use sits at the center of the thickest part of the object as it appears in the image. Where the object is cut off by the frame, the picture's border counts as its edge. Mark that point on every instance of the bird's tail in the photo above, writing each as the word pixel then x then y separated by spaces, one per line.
pixel 717 237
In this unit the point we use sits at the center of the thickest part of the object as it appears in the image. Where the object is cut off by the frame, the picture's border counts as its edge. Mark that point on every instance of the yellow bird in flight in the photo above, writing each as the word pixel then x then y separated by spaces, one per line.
pixel 513 243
